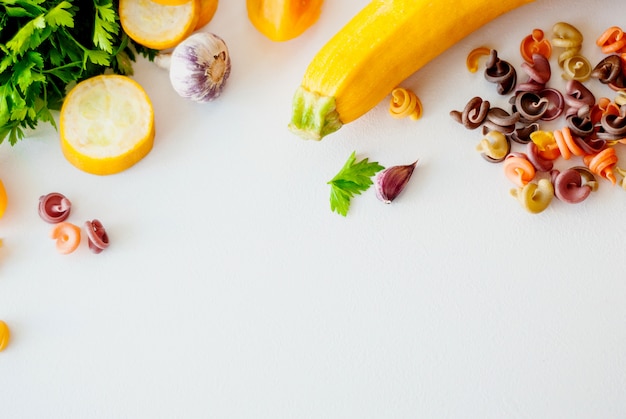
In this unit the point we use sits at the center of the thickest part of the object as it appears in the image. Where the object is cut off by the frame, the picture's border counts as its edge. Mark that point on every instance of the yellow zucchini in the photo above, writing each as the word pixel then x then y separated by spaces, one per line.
pixel 381 46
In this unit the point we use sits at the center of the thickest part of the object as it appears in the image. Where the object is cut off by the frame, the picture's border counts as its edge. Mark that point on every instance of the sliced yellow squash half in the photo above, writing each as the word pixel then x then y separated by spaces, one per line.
pixel 158 26
pixel 106 124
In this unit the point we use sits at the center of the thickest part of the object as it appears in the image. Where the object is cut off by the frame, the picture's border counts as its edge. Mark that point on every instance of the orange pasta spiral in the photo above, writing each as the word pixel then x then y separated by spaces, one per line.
pixel 603 163
pixel 567 144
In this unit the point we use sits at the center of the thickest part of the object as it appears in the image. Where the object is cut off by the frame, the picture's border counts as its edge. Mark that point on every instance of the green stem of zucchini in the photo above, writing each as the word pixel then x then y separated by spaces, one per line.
pixel 313 116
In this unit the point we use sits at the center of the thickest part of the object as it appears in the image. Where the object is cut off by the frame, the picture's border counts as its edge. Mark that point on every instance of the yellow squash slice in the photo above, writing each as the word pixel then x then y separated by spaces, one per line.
pixel 106 124
pixel 158 26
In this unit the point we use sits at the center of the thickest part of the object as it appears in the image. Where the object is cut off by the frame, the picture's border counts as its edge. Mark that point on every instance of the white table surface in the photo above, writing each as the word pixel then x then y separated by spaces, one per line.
pixel 230 289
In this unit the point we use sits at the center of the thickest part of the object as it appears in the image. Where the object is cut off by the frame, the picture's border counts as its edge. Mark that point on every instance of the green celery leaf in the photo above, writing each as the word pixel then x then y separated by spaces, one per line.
pixel 339 200
pixel 353 178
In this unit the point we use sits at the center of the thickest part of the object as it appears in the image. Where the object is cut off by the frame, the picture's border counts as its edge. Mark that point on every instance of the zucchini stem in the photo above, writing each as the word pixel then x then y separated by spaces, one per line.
pixel 313 116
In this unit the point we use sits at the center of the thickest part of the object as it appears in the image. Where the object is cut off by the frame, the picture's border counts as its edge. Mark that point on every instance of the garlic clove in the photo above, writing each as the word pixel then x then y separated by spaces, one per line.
pixel 391 181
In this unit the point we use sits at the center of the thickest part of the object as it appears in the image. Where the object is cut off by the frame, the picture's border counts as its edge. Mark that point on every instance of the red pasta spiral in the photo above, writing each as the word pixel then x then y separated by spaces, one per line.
pixel 98 239
pixel 54 207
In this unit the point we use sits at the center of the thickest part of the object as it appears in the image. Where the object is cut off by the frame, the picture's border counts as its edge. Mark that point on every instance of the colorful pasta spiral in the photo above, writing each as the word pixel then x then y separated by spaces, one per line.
pixel 567 37
pixel 518 169
pixel 67 237
pixel 494 147
pixel 405 103
pixel 570 187
pixel 612 40
pixel 567 144
pixel 473 114
pixel 603 163
pixel 535 197
pixel 535 43
pixel 471 62
pixel 97 237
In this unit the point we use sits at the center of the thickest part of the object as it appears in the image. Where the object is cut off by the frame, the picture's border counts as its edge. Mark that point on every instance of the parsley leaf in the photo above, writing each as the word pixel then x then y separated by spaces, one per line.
pixel 105 26
pixel 60 15
pixel 29 36
pixel 353 178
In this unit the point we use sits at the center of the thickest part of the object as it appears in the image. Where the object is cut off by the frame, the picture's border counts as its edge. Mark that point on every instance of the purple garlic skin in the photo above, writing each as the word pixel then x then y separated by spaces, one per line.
pixel 200 66
pixel 391 181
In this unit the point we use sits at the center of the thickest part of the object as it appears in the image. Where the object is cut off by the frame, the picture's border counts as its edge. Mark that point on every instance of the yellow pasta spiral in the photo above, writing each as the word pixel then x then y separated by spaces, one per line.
pixel 405 103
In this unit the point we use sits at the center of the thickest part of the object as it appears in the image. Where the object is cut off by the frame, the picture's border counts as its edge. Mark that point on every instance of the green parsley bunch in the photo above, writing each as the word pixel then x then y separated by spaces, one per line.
pixel 48 46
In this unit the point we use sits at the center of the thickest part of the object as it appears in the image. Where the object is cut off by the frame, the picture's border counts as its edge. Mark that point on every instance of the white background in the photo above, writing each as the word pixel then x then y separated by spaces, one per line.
pixel 230 289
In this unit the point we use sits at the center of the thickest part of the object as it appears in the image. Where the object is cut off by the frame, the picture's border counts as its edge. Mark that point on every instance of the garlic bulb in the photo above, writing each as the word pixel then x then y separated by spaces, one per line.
pixel 200 66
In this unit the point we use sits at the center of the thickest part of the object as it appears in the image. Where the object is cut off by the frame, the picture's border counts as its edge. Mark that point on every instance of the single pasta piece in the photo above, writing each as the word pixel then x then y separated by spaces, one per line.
pixel 567 37
pixel 67 236
pixel 471 62
pixel 569 186
pixel 535 43
pixel 612 40
pixel 546 144
pixel 97 237
pixel 577 68
pixel 567 145
pixel 518 169
pixel 405 103
pixel 494 146
pixel 54 207
pixel 473 114
pixel 603 163
pixel 534 197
